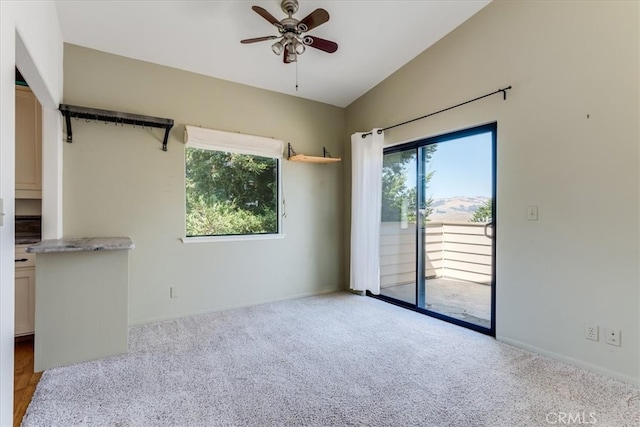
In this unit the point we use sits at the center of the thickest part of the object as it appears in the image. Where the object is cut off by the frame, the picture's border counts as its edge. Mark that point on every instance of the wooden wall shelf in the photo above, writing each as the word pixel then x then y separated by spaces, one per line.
pixel 303 158
pixel 313 159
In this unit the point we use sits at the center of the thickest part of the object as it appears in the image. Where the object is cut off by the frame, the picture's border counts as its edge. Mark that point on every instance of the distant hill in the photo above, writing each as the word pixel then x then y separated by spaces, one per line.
pixel 460 208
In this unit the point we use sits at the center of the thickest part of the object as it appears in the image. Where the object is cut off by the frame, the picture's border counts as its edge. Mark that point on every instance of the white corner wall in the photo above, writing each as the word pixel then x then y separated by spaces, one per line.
pixel 30 37
pixel 568 140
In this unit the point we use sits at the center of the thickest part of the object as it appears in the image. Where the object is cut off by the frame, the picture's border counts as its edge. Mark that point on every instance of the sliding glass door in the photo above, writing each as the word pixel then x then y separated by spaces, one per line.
pixel 438 227
pixel 398 249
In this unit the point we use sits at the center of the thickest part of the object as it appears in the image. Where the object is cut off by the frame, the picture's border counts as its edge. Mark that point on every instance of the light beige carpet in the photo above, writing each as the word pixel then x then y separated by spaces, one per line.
pixel 332 360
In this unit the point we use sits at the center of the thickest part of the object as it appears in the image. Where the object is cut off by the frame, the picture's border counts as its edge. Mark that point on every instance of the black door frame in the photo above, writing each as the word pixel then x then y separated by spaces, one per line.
pixel 415 145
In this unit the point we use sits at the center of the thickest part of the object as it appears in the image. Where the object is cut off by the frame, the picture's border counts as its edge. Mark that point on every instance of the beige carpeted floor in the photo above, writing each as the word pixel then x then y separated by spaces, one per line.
pixel 332 360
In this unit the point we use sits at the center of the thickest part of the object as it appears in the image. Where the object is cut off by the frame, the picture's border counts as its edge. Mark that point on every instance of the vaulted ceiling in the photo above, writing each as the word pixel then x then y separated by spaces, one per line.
pixel 375 39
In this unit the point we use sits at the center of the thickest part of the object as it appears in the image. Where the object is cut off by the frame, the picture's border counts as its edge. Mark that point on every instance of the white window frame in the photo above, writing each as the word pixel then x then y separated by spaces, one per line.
pixel 216 140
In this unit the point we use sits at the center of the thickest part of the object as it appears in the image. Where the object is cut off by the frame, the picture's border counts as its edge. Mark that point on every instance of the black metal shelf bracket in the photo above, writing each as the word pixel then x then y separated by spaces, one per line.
pixel 119 118
pixel 290 151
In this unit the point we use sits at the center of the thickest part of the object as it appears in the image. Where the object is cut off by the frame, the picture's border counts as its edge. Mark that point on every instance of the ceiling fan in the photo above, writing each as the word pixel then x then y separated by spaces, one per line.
pixel 291 41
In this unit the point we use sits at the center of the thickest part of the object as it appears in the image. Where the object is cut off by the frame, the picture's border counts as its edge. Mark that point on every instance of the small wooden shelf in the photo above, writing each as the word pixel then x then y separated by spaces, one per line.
pixel 313 159
pixel 303 158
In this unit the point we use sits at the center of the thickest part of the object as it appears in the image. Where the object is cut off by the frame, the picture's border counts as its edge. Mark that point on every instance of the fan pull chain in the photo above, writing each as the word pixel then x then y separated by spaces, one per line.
pixel 296 75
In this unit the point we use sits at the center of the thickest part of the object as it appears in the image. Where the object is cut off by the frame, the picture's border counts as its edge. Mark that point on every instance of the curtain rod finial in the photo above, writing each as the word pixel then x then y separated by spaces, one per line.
pixel 504 92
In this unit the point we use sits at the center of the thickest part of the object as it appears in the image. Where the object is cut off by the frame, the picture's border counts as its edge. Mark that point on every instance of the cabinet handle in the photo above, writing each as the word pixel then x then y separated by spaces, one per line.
pixel 22 260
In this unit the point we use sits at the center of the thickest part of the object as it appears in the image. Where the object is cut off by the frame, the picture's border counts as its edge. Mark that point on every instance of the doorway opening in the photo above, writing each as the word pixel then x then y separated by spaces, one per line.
pixel 27 231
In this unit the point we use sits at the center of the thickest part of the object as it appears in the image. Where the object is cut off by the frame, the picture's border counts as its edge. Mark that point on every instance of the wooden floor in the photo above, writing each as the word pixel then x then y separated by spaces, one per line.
pixel 25 380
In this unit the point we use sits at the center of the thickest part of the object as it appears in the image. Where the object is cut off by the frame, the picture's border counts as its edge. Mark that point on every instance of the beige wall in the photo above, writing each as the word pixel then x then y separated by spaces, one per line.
pixel 579 262
pixel 117 181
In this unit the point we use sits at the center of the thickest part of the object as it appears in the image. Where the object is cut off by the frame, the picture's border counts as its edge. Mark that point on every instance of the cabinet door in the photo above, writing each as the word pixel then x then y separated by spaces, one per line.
pixel 28 145
pixel 25 301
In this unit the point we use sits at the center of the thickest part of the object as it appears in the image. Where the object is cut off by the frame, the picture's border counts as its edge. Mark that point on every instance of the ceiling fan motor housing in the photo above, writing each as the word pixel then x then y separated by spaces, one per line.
pixel 290 25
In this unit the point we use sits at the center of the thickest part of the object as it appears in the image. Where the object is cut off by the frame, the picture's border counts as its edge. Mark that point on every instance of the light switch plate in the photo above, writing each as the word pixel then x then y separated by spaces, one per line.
pixel 532 213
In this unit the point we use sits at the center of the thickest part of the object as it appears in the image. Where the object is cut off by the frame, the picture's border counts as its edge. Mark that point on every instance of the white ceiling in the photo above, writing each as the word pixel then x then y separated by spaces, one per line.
pixel 375 39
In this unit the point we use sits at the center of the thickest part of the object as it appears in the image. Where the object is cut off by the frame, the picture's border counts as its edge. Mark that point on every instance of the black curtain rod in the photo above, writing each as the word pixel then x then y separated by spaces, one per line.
pixel 504 94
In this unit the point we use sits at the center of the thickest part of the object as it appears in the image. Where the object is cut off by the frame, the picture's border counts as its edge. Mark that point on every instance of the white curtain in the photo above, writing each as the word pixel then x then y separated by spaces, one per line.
pixel 366 200
pixel 211 139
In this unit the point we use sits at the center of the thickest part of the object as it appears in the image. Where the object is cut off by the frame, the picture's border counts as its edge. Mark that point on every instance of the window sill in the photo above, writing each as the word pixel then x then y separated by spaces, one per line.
pixel 214 239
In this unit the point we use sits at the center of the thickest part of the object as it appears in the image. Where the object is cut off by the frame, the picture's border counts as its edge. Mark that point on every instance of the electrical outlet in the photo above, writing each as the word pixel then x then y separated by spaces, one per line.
pixel 613 337
pixel 591 332
pixel 174 292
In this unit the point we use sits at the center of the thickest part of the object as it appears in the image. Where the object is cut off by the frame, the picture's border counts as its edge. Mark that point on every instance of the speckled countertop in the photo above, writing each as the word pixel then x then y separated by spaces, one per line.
pixel 82 244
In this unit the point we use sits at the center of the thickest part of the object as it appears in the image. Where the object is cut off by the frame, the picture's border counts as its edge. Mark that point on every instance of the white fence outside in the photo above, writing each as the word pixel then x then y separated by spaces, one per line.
pixel 455 250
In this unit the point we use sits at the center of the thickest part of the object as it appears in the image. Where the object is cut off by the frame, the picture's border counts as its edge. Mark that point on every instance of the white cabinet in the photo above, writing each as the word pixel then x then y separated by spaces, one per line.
pixel 25 291
pixel 25 301
pixel 28 145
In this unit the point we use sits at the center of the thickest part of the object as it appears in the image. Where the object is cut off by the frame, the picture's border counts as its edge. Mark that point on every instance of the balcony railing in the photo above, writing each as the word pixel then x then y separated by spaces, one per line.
pixel 454 250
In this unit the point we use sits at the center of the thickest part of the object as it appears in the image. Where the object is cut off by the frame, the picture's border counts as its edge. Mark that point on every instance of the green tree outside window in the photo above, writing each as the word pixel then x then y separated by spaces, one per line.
pixel 230 193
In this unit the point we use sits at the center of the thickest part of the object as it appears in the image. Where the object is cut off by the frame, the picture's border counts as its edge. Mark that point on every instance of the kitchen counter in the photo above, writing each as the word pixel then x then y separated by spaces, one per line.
pixel 81 299
pixel 82 245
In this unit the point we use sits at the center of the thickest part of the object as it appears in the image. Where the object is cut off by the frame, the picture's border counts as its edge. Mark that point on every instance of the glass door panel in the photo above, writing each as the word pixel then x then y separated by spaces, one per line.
pixel 398 248
pixel 458 211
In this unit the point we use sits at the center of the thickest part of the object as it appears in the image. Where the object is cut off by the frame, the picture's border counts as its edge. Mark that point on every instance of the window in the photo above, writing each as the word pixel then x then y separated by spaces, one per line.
pixel 232 184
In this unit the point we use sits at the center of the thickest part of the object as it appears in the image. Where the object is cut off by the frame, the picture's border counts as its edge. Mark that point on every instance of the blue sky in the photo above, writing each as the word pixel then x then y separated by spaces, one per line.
pixel 462 168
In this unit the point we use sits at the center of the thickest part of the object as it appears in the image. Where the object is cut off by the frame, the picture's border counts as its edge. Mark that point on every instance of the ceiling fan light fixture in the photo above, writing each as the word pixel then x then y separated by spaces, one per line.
pixel 299 47
pixel 277 47
pixel 291 51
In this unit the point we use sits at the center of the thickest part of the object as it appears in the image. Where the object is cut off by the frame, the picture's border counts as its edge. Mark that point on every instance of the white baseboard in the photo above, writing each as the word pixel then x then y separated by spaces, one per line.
pixel 570 360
